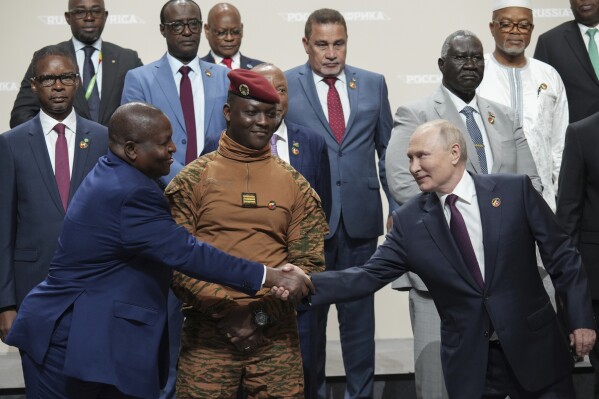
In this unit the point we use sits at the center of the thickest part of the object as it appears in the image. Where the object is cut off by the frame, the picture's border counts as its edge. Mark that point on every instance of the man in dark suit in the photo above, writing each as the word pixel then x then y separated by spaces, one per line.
pixel 42 163
pixel 570 48
pixel 350 109
pixel 102 72
pixel 471 238
pixel 577 201
pixel 224 32
pixel 97 326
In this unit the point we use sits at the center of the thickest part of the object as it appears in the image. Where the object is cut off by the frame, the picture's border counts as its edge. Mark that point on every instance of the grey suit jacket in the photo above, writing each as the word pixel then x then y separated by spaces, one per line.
pixel 508 145
pixel 30 208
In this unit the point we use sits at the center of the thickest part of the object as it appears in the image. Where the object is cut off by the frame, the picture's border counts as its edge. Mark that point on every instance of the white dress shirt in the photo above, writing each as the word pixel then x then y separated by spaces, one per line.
pixel 282 142
pixel 322 88
pixel 80 54
pixel 51 136
pixel 585 37
pixel 197 87
pixel 235 64
pixel 467 204
pixel 460 104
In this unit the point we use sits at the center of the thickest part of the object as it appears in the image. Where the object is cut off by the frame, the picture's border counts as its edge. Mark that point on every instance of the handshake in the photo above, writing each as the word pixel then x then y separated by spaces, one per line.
pixel 288 282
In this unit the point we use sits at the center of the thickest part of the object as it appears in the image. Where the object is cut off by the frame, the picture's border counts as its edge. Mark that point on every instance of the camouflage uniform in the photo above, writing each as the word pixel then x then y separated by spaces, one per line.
pixel 285 224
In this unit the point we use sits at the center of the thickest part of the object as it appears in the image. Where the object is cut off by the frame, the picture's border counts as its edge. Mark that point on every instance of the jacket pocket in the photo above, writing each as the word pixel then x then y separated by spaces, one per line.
pixel 541 317
pixel 26 255
pixel 373 183
pixel 137 313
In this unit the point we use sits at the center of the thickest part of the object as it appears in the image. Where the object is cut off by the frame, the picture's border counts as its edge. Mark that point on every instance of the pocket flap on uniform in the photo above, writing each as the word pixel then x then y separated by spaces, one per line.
pixel 134 312
pixel 26 255
pixel 541 317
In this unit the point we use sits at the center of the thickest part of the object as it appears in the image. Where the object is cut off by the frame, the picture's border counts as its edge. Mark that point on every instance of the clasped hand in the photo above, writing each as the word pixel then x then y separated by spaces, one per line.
pixel 288 282
pixel 240 330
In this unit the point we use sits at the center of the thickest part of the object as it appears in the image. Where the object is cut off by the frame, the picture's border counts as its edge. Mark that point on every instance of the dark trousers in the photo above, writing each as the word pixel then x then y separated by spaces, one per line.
pixel 356 320
pixel 175 325
pixel 501 381
pixel 47 381
pixel 306 325
pixel 594 355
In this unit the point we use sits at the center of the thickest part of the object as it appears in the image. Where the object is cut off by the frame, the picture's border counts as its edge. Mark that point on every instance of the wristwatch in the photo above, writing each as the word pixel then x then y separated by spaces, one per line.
pixel 260 318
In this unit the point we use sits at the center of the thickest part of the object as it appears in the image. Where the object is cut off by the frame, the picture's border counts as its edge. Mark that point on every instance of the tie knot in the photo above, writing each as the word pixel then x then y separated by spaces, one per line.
pixel 228 61
pixel 184 70
pixel 88 50
pixel 468 111
pixel 451 199
pixel 330 81
pixel 59 128
pixel 591 32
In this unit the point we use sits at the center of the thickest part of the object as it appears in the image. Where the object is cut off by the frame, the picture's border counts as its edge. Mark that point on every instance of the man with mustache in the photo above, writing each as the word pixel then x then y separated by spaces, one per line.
pixel 496 144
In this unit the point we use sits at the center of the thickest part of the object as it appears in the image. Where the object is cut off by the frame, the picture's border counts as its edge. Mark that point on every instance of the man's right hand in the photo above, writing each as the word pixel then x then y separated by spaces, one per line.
pixel 6 319
pixel 288 282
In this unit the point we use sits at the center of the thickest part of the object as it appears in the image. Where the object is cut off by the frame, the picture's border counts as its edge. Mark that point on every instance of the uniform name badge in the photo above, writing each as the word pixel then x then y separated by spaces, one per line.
pixel 249 200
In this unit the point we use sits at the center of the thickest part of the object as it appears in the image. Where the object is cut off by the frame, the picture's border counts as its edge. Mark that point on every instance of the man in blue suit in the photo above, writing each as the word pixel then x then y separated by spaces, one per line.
pixel 32 201
pixel 471 238
pixel 350 109
pixel 97 326
pixel 160 83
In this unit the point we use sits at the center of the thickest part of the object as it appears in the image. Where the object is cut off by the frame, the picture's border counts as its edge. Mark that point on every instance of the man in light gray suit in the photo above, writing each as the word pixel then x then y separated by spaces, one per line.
pixel 496 144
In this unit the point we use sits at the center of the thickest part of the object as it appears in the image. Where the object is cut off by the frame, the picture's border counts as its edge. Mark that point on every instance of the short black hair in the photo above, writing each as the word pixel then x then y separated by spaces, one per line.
pixel 322 17
pixel 163 18
pixel 50 50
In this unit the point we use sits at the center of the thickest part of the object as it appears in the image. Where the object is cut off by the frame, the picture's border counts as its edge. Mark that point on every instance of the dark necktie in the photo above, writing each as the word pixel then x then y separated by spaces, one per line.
pixel 228 62
pixel 336 119
pixel 477 138
pixel 61 165
pixel 273 145
pixel 90 85
pixel 186 97
pixel 457 226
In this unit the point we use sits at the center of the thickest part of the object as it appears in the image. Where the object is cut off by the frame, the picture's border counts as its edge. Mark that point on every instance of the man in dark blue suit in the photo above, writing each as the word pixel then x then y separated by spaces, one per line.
pixel 350 109
pixel 97 326
pixel 471 238
pixel 33 195
pixel 224 32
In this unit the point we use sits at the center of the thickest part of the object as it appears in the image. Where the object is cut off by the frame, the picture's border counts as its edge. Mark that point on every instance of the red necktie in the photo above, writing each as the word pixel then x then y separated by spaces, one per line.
pixel 336 119
pixel 458 229
pixel 61 165
pixel 228 62
pixel 186 97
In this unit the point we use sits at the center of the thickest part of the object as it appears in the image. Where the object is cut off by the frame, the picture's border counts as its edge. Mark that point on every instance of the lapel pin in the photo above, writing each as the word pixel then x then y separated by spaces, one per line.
pixel 272 205
pixel 542 86
pixel 295 148
pixel 353 83
pixel 83 144
pixel 496 202
pixel 491 118
pixel 208 73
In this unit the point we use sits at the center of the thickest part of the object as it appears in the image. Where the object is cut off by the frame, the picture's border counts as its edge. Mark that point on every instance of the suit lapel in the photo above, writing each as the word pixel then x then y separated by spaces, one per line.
pixel 574 39
pixel 353 90
pixel 436 224
pixel 37 143
pixel 446 110
pixel 109 71
pixel 489 204
pixel 493 134
pixel 294 142
pixel 307 82
pixel 166 82
pixel 209 88
pixel 80 155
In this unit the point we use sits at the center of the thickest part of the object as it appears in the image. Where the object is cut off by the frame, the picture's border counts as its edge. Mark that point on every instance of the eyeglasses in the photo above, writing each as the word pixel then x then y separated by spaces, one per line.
pixel 67 79
pixel 462 59
pixel 508 26
pixel 177 27
pixel 81 13
pixel 221 34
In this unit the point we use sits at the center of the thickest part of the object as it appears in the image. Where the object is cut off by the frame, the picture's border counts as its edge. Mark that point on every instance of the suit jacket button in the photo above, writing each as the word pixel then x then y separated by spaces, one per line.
pixel 340 154
pixel 486 334
pixel 338 183
pixel 184 141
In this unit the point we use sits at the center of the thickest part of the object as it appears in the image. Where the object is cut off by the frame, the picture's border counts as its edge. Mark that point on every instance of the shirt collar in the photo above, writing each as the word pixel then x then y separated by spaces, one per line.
pixel 218 59
pixel 584 28
pixel 175 64
pixel 48 122
pixel 465 190
pixel 318 78
pixel 80 45
pixel 281 132
pixel 459 103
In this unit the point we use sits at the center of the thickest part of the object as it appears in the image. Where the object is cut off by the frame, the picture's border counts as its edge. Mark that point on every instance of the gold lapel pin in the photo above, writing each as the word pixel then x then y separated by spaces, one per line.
pixel 83 144
pixel 208 73
pixel 352 83
pixel 496 202
pixel 491 118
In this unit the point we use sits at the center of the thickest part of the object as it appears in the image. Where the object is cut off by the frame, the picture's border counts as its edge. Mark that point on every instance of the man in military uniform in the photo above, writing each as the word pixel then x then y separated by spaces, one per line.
pixel 243 200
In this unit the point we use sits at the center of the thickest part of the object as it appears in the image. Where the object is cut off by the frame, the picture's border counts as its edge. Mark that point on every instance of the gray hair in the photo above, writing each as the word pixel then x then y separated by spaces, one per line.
pixel 457 33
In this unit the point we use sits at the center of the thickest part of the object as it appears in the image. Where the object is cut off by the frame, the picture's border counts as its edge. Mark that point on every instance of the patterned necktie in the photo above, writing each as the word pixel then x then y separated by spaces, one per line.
pixel 273 145
pixel 593 53
pixel 458 229
pixel 186 98
pixel 477 138
pixel 336 119
pixel 61 165
pixel 228 61
pixel 90 85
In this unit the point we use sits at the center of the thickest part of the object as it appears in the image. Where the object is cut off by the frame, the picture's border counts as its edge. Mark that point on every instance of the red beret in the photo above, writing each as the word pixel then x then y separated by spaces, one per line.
pixel 252 85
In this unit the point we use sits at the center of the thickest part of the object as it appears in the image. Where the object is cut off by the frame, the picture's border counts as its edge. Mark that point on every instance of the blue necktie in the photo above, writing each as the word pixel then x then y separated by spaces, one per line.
pixel 477 138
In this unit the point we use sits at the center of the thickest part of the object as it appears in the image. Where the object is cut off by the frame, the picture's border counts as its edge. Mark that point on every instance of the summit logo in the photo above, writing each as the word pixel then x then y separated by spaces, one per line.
pixel 367 16
pixel 118 19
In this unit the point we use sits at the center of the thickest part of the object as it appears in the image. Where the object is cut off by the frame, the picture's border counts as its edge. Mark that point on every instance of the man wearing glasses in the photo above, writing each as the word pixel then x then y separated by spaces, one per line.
pixel 224 32
pixel 102 67
pixel 42 163
pixel 192 94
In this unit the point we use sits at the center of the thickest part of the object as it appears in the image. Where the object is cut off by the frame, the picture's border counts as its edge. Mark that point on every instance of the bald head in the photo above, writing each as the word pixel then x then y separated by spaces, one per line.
pixel 224 30
pixel 140 134
pixel 277 78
